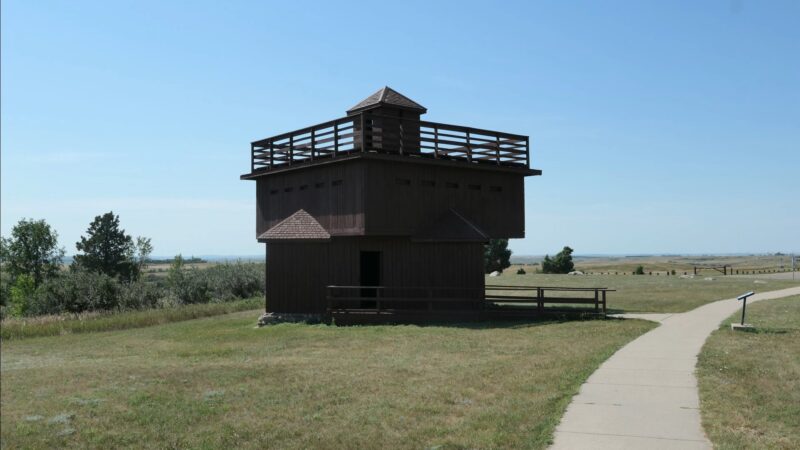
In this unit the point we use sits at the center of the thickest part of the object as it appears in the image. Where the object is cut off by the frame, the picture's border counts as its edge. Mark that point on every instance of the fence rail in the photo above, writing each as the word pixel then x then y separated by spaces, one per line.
pixel 383 299
pixel 375 133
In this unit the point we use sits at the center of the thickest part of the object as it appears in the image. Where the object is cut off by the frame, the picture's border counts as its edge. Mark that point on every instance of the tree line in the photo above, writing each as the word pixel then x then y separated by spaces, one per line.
pixel 106 275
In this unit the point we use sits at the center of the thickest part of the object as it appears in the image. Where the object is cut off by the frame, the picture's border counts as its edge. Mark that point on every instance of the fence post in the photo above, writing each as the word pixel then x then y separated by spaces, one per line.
pixel 271 154
pixel 313 142
pixel 540 298
pixel 436 142
pixel 596 301
pixel 291 149
pixel 469 149
pixel 497 148
pixel 336 137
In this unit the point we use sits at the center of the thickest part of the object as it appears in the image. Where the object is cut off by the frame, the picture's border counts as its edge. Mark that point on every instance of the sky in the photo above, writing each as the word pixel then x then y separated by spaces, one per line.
pixel 660 127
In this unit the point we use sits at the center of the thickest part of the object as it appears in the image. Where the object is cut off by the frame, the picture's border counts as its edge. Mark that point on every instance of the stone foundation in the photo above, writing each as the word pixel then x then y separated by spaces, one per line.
pixel 273 318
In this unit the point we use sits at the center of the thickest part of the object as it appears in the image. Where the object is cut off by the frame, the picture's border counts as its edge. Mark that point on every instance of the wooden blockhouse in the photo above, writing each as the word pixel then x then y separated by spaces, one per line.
pixel 381 212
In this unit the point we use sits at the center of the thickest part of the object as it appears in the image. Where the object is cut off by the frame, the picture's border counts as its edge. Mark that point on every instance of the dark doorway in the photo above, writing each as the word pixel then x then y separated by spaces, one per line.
pixel 370 269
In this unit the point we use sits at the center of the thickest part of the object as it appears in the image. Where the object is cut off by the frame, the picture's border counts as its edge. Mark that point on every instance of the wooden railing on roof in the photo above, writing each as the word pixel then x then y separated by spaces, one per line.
pixel 369 132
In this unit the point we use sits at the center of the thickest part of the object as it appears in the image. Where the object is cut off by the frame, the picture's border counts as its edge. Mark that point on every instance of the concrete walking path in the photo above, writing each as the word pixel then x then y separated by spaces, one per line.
pixel 645 395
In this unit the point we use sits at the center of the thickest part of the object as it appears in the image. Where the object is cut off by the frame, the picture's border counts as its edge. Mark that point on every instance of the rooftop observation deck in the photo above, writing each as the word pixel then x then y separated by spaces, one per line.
pixel 378 126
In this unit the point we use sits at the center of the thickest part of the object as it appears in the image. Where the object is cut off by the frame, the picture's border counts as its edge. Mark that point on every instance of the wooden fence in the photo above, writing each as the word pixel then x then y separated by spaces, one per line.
pixel 508 301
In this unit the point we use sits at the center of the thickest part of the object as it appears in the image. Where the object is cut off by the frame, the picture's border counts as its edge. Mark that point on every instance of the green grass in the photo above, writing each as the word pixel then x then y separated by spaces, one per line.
pixel 221 383
pixel 750 382
pixel 650 293
pixel 68 324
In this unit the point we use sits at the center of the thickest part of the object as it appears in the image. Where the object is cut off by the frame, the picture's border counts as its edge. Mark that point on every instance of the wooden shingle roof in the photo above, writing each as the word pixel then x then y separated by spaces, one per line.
pixel 300 226
pixel 387 96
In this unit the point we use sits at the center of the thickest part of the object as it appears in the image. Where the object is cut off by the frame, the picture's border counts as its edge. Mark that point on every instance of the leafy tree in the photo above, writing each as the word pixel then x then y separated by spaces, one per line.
pixel 21 295
pixel 139 256
pixel 107 249
pixel 639 271
pixel 32 250
pixel 561 263
pixel 496 255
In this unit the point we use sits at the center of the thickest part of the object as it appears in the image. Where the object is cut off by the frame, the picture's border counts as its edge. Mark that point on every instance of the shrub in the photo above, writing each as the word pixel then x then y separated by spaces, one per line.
pixel 189 286
pixel 21 295
pixel 520 271
pixel 233 281
pixel 561 263
pixel 140 295
pixel 75 292
pixel 639 271
pixel 220 283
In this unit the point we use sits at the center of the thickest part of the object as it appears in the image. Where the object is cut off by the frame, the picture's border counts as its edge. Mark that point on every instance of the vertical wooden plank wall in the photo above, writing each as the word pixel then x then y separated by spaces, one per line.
pixel 297 273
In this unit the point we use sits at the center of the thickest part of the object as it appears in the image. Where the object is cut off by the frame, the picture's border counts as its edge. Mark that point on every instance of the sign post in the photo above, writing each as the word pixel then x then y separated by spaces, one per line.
pixel 743 326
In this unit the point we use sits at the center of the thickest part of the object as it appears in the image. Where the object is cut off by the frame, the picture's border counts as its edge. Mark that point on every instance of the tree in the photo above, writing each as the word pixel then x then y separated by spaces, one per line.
pixel 561 263
pixel 141 251
pixel 32 250
pixel 107 249
pixel 21 294
pixel 496 255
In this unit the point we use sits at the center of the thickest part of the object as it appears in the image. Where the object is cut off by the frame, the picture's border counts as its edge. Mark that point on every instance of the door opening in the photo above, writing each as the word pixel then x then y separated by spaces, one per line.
pixel 370 275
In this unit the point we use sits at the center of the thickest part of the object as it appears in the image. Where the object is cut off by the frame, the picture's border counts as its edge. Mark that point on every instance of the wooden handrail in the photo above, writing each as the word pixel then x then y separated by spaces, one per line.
pixel 426 295
pixel 371 132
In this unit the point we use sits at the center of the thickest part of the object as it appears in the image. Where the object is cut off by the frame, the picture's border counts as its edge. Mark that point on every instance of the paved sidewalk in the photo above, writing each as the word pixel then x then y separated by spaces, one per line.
pixel 645 395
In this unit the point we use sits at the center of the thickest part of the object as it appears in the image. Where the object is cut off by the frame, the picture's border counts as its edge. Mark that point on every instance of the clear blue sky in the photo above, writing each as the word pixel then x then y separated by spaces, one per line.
pixel 660 126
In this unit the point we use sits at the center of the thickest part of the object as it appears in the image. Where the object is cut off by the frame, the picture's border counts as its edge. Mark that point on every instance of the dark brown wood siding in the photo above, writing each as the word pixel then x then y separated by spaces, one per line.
pixel 388 198
pixel 401 198
pixel 333 194
pixel 297 273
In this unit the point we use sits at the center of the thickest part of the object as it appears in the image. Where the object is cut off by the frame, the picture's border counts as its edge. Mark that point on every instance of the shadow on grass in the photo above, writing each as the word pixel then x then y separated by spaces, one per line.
pixel 759 330
pixel 548 317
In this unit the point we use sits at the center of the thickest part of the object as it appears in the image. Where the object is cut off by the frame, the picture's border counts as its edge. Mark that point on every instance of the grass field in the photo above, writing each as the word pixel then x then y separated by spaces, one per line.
pixel 678 263
pixel 750 382
pixel 637 293
pixel 18 328
pixel 219 382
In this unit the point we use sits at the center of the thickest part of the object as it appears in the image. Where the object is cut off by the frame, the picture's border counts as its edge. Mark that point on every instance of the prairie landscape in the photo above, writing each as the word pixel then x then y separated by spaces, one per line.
pixel 219 381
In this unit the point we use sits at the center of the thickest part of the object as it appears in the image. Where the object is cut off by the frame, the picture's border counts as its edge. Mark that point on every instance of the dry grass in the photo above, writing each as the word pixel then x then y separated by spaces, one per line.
pixel 650 293
pixel 18 328
pixel 750 382
pixel 680 264
pixel 217 383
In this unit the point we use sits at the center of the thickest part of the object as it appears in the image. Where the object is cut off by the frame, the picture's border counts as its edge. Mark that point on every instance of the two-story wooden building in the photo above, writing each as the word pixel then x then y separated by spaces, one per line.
pixel 380 211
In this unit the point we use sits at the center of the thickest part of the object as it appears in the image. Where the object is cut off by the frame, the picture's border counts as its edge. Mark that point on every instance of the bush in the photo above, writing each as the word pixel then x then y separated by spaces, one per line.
pixel 140 295
pixel 189 286
pixel 233 281
pixel 639 271
pixel 220 283
pixel 561 263
pixel 78 290
pixel 21 295
pixel 520 271
pixel 75 292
